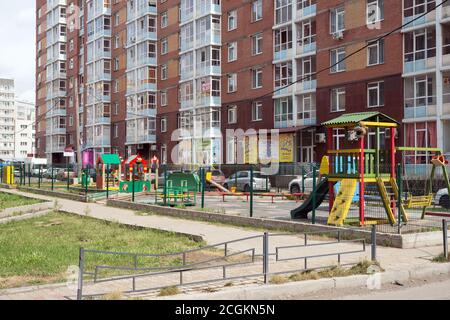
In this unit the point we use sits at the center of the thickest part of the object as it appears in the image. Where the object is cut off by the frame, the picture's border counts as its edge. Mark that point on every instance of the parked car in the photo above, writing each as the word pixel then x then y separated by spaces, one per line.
pixel 260 183
pixel 63 175
pixel 442 199
pixel 48 173
pixel 296 185
pixel 35 171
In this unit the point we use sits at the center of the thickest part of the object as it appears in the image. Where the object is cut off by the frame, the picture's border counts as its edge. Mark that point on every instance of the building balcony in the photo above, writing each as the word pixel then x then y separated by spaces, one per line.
pixel 102 141
pixel 284 91
pixel 56 113
pixel 185 46
pixel 306 49
pixel 284 123
pixel 306 86
pixel 420 107
pixel 430 18
pixel 211 38
pixel 102 121
pixel 187 104
pixel 420 65
pixel 285 54
pixel 146 36
pixel 186 74
pixel 207 70
pixel 185 17
pixel 142 139
pixel 146 87
pixel 208 101
pixel 58 131
pixel 208 8
pixel 140 12
pixel 446 104
pixel 146 61
pixel 306 12
pixel 446 55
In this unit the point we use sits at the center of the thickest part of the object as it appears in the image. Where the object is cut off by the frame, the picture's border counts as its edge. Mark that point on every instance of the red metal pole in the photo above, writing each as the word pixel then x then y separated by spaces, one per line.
pixel 330 184
pixel 361 183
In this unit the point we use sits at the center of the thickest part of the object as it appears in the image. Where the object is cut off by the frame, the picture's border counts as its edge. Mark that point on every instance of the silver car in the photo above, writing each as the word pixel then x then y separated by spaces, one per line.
pixel 242 178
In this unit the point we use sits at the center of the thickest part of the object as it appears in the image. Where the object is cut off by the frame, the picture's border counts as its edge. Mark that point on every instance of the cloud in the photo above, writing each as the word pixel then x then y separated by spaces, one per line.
pixel 17 55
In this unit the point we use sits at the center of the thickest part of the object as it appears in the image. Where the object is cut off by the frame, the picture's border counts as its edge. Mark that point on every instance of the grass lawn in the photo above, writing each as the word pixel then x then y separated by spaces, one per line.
pixel 8 200
pixel 40 250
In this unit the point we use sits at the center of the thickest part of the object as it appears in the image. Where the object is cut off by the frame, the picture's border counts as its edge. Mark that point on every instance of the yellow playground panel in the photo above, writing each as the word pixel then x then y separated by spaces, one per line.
pixel 342 202
pixel 8 175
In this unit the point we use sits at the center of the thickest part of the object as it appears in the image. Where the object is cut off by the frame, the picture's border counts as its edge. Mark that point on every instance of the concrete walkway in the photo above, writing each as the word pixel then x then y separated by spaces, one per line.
pixel 390 258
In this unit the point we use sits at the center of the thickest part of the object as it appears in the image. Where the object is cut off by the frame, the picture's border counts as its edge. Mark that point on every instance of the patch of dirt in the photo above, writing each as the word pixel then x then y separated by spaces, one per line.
pixel 23 281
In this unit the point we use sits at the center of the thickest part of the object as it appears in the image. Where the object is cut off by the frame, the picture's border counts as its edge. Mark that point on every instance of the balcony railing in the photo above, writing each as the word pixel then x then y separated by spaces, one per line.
pixel 416 62
pixel 306 12
pixel 420 107
pixel 208 8
pixel 284 54
pixel 306 48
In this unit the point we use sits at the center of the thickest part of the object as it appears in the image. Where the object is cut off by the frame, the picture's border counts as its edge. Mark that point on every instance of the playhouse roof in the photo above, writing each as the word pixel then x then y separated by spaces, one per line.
pixel 110 159
pixel 133 159
pixel 355 118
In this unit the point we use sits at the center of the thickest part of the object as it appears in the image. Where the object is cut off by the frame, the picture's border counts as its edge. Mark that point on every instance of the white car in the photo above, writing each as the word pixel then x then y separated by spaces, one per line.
pixel 296 185
pixel 442 198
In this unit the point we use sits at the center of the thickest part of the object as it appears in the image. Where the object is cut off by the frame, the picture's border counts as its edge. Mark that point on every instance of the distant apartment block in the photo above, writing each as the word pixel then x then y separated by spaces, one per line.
pixel 7 115
pixel 25 133
pixel 169 78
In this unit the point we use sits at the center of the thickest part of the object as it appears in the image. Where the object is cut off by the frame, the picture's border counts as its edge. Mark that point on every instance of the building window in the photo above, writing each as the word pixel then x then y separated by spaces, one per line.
pixel 232 51
pixel 284 113
pixel 257 75
pixel 283 39
pixel 164 46
pixel 257 10
pixel 257 44
pixel 283 74
pixel 375 53
pixel 116 131
pixel 164 72
pixel 232 115
pixel 337 20
pixel 163 98
pixel 164 19
pixel 232 82
pixel 338 99
pixel 257 111
pixel 375 94
pixel 375 11
pixel 337 57
pixel 283 11
pixel 232 20
pixel 164 124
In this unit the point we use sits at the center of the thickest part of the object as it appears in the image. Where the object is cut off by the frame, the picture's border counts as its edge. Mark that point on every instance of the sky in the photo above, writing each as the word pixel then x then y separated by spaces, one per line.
pixel 17 45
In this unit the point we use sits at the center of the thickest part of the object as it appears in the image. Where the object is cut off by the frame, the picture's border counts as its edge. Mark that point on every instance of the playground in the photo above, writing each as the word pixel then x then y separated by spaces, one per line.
pixel 364 179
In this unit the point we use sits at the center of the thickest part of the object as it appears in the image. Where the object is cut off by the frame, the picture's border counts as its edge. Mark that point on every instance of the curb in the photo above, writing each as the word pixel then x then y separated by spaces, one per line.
pixel 289 290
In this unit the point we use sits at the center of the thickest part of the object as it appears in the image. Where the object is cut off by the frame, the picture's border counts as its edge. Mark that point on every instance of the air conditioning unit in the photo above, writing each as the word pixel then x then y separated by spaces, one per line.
pixel 140 146
pixel 338 35
pixel 320 138
pixel 133 39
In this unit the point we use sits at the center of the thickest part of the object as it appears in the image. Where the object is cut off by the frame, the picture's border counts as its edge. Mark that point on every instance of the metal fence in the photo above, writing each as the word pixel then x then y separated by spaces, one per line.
pixel 252 257
pixel 445 237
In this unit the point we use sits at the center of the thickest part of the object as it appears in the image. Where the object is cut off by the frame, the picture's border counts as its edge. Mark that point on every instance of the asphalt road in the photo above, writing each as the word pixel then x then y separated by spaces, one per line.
pixel 436 288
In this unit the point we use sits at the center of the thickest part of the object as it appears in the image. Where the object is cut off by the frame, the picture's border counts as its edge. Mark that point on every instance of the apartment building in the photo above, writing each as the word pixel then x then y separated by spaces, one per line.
pixel 169 78
pixel 7 116
pixel 25 134
pixel 370 80
pixel 426 73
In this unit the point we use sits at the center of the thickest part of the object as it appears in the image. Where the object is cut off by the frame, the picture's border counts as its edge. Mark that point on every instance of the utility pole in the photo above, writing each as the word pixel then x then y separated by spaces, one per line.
pixel 77 126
